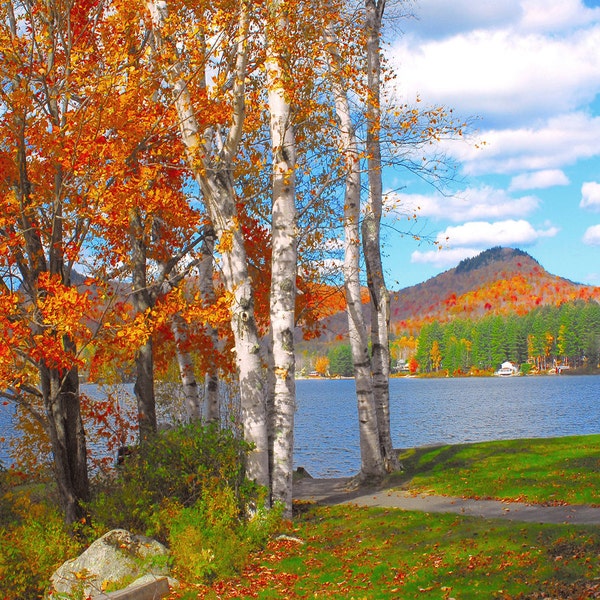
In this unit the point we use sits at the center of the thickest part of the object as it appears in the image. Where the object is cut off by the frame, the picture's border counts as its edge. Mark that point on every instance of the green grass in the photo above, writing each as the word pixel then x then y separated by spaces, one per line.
pixel 552 470
pixel 353 552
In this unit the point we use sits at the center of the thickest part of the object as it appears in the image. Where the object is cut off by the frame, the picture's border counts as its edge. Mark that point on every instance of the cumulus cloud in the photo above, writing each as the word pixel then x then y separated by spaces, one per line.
pixel 440 18
pixel 556 15
pixel 483 202
pixel 590 195
pixel 559 141
pixel 539 180
pixel 483 234
pixel 592 236
pixel 444 257
pixel 467 240
pixel 502 74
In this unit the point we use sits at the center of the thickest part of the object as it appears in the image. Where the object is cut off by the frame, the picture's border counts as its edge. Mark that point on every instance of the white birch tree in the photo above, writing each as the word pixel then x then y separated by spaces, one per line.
pixel 284 254
pixel 210 156
pixel 371 231
pixel 211 377
pixel 372 464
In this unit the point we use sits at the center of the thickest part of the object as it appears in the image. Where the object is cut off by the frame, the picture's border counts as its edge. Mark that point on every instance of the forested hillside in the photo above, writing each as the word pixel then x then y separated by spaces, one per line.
pixel 500 289
pixel 498 281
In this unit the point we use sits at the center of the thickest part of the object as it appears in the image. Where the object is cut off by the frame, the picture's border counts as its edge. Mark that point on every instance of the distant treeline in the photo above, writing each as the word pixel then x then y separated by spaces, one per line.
pixel 568 334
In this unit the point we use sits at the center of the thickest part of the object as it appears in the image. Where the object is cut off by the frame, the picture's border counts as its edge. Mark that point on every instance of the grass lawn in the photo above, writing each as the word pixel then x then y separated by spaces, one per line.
pixel 554 470
pixel 351 552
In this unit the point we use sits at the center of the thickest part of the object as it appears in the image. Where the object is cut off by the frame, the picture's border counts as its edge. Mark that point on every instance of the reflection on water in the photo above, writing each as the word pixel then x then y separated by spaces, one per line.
pixel 429 411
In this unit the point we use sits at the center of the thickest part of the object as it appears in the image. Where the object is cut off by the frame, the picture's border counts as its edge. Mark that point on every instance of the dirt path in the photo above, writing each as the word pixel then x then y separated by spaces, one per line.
pixel 337 491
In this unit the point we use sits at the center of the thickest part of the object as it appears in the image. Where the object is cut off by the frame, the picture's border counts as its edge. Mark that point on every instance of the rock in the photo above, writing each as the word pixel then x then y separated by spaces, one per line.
pixel 118 557
pixel 302 473
pixel 147 587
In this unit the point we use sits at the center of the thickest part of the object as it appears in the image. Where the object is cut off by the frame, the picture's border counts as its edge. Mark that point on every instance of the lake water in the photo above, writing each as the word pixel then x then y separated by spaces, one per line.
pixel 429 411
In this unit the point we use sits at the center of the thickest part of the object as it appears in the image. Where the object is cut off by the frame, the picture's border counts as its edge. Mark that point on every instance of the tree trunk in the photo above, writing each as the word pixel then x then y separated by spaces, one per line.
pixel 67 438
pixel 370 451
pixel 144 359
pixel 247 348
pixel 284 260
pixel 186 370
pixel 380 299
pixel 60 394
pixel 213 173
pixel 212 411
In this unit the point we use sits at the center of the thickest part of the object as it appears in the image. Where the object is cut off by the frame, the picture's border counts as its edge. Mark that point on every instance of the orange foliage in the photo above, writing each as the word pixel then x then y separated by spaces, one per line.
pixel 322 365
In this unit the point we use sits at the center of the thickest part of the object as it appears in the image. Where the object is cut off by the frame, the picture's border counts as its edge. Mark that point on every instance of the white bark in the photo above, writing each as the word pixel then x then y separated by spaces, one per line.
pixel 284 263
pixel 207 290
pixel 380 298
pixel 186 370
pixel 213 174
pixel 370 451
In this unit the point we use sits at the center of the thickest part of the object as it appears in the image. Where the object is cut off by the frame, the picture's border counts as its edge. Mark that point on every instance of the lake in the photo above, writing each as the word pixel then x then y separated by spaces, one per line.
pixel 430 411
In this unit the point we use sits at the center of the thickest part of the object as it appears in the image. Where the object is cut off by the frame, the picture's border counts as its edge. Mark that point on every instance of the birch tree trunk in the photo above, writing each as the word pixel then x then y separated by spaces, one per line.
pixel 370 451
pixel 380 298
pixel 284 257
pixel 213 173
pixel 186 369
pixel 207 290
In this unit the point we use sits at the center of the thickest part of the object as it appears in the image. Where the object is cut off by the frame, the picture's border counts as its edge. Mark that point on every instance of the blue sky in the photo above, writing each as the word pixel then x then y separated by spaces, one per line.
pixel 528 72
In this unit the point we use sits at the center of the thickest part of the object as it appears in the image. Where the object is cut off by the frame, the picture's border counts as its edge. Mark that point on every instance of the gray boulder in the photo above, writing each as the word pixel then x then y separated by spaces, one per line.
pixel 118 557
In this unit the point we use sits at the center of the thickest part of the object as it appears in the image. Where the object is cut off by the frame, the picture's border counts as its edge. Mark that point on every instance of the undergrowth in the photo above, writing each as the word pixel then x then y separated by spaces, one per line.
pixel 186 488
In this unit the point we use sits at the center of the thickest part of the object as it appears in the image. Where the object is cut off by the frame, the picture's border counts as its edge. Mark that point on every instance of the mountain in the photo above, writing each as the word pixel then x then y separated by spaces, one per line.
pixel 497 281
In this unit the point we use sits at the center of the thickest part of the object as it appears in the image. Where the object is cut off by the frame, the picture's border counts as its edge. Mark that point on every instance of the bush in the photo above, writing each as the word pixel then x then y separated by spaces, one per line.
pixel 187 488
pixel 178 465
pixel 209 540
pixel 32 546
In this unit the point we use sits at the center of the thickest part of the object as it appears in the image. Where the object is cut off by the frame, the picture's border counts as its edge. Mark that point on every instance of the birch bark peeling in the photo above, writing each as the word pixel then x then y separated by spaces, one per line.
pixel 284 259
pixel 213 173
pixel 370 451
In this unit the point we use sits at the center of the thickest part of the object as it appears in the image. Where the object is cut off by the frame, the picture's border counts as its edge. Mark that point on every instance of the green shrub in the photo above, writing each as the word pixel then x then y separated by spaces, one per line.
pixel 186 487
pixel 33 546
pixel 177 464
pixel 211 540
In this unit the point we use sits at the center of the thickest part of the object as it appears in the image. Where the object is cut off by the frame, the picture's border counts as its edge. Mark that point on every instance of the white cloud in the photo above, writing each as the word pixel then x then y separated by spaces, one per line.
pixel 440 18
pixel 590 195
pixel 539 180
pixel 553 15
pixel 469 239
pixel 502 74
pixel 560 141
pixel 444 257
pixel 592 236
pixel 484 202
pixel 500 233
pixel 529 70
